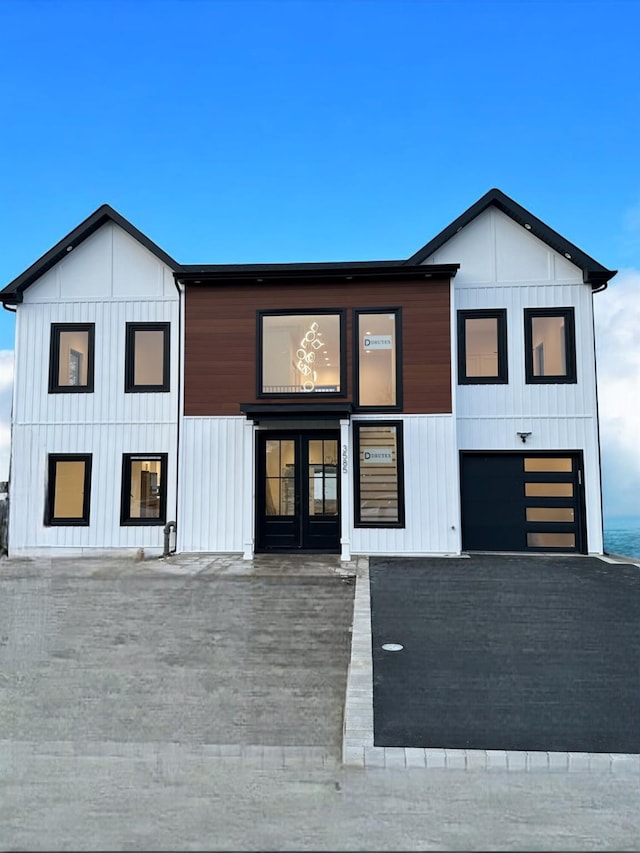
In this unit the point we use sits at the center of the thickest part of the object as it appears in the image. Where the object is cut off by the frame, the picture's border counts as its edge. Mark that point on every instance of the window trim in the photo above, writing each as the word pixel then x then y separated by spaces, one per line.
pixel 571 376
pixel 357 521
pixel 357 312
pixel 54 358
pixel 293 312
pixel 129 359
pixel 125 519
pixel 499 314
pixel 52 460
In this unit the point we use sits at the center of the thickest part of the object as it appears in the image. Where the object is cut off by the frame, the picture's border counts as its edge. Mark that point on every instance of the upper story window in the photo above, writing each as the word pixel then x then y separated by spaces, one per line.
pixel 71 358
pixel 378 358
pixel 301 353
pixel 482 347
pixel 550 347
pixel 147 357
pixel 68 490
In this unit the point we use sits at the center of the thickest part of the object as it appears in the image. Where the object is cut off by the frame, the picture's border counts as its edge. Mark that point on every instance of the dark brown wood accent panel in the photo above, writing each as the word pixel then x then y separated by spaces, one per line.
pixel 220 344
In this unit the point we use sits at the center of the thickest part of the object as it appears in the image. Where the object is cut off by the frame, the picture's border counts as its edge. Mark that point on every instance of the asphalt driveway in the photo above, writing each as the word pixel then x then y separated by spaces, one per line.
pixel 507 652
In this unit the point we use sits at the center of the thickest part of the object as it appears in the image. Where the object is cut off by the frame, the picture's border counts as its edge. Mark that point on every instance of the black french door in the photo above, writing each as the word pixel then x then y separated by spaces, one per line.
pixel 297 492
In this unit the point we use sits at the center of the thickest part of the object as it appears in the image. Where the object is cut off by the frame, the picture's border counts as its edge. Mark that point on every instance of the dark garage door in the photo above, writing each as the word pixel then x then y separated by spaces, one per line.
pixel 522 502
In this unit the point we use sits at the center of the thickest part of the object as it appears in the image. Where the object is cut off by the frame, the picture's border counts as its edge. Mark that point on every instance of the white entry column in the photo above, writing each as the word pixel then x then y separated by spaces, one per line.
pixel 345 490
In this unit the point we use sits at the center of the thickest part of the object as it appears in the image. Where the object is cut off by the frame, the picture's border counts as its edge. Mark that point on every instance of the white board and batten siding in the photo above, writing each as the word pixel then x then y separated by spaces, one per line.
pixel 110 280
pixel 504 266
pixel 431 495
pixel 216 485
pixel 217 492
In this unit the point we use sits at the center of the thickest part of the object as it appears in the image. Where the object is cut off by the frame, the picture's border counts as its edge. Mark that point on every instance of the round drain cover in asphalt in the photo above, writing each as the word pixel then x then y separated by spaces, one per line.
pixel 392 647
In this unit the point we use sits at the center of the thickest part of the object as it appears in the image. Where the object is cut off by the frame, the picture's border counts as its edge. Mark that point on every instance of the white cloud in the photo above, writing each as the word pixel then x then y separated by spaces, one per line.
pixel 617 313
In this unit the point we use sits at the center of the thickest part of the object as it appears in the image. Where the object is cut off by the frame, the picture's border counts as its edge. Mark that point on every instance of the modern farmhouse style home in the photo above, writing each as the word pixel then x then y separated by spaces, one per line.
pixel 434 405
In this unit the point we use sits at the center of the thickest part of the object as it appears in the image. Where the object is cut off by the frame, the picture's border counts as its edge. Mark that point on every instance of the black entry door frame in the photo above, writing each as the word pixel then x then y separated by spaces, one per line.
pixel 297 508
pixel 497 492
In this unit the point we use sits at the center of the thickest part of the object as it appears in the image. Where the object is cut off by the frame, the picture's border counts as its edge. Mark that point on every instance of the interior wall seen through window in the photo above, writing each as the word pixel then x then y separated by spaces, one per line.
pixel 149 357
pixel 549 346
pixel 69 489
pixel 481 346
pixel 301 354
pixel 73 358
pixel 145 488
pixel 377 359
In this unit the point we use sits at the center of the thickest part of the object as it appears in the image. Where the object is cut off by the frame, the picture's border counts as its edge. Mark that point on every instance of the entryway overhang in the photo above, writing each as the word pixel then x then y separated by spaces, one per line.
pixel 259 412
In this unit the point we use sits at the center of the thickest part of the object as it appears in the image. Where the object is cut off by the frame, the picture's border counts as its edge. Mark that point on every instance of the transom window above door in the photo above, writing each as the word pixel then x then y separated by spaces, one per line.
pixel 300 353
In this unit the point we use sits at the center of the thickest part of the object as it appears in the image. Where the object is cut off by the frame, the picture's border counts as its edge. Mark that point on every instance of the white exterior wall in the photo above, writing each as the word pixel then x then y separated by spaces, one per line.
pixel 217 492
pixel 109 280
pixel 504 266
pixel 431 493
pixel 214 479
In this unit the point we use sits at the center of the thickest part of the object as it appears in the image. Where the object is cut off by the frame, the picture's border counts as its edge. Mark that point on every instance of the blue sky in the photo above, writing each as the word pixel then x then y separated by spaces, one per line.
pixel 291 131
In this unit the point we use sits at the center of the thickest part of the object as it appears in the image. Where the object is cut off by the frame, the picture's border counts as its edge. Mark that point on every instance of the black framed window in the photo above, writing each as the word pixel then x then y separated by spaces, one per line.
pixel 301 353
pixel 550 345
pixel 68 490
pixel 379 474
pixel 378 358
pixel 144 489
pixel 147 357
pixel 71 357
pixel 482 347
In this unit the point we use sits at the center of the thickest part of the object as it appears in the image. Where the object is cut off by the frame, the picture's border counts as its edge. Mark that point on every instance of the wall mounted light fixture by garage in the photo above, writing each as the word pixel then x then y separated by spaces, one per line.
pixel 524 436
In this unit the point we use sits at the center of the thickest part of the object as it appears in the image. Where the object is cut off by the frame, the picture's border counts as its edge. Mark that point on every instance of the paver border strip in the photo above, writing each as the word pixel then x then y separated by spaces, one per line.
pixel 358 749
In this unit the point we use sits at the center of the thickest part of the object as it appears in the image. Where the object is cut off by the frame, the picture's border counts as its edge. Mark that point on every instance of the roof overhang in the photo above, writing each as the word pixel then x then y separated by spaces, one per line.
pixel 282 273
pixel 258 412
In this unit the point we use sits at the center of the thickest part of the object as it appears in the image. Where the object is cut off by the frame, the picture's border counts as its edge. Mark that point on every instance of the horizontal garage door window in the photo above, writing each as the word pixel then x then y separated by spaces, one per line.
pixel 533 463
pixel 548 490
pixel 379 485
pixel 551 540
pixel 550 513
pixel 69 490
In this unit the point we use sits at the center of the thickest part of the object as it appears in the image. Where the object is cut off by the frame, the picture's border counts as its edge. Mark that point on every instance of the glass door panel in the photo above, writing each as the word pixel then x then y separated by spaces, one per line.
pixel 280 483
pixel 290 466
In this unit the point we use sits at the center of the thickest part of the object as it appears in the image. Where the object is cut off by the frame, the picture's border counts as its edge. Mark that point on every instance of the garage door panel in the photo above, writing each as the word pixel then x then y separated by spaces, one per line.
pixel 521 502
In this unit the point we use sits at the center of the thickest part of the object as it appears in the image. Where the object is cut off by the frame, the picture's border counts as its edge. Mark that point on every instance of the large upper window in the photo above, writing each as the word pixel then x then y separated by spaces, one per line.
pixel 68 490
pixel 379 478
pixel 482 346
pixel 71 358
pixel 144 488
pixel 550 349
pixel 378 358
pixel 147 357
pixel 301 353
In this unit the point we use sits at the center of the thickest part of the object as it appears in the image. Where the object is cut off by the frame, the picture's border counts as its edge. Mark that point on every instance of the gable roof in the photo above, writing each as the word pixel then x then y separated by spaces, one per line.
pixel 12 293
pixel 593 273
